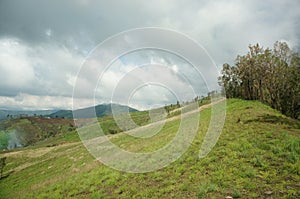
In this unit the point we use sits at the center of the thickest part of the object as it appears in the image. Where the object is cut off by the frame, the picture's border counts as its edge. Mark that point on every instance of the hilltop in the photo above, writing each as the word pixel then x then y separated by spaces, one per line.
pixel 256 156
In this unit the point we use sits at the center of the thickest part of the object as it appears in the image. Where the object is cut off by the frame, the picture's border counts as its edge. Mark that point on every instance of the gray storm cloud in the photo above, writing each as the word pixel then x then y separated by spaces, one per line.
pixel 43 43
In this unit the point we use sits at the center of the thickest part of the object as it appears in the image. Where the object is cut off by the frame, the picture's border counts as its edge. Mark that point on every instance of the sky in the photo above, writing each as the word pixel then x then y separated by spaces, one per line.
pixel 47 48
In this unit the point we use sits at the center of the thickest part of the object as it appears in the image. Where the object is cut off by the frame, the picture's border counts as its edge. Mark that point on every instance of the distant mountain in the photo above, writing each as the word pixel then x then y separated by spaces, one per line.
pixel 101 110
pixel 6 114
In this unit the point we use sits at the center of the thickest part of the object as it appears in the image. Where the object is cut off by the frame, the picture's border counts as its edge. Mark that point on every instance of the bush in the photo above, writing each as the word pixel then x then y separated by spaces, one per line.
pixel 113 131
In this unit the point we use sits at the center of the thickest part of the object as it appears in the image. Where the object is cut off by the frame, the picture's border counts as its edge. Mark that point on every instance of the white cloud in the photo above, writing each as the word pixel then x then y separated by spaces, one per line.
pixel 43 69
pixel 16 71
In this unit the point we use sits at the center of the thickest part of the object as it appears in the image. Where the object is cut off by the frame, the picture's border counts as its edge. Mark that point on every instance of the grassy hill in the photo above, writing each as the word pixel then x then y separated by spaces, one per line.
pixel 257 156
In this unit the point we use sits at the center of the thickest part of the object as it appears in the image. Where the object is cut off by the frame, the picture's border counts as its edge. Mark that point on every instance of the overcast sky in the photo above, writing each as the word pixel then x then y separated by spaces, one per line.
pixel 43 44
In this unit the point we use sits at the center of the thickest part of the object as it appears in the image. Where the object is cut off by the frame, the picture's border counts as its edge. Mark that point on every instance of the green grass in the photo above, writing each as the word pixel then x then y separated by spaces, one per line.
pixel 141 118
pixel 256 156
pixel 109 125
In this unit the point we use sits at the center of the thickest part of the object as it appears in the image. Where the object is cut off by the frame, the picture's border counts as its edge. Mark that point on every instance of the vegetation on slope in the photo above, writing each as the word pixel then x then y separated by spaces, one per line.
pixel 257 156
pixel 20 132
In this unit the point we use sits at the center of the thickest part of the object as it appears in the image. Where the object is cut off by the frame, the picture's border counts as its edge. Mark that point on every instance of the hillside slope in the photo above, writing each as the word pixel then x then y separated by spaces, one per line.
pixel 257 156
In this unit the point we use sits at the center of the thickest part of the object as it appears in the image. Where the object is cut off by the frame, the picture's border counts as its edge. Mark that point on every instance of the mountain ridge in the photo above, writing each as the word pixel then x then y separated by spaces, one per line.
pixel 90 112
pixel 101 110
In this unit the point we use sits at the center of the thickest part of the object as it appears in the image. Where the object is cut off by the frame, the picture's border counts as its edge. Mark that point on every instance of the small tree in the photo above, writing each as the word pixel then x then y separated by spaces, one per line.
pixel 178 104
pixel 2 164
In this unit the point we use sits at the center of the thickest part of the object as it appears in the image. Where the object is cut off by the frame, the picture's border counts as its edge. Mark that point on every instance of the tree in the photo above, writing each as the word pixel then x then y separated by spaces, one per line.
pixel 229 80
pixel 271 76
pixel 178 104
pixel 2 165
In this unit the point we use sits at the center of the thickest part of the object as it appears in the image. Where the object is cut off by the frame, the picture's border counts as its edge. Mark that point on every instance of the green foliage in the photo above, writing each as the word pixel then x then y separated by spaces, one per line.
pixel 270 76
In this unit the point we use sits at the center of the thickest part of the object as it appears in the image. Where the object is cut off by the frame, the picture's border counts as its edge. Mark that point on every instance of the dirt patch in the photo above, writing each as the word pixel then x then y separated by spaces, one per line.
pixel 35 153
